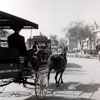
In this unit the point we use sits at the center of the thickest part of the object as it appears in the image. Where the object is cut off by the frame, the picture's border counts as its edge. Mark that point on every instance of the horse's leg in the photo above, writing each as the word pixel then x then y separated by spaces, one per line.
pixel 57 82
pixel 60 78
pixel 49 74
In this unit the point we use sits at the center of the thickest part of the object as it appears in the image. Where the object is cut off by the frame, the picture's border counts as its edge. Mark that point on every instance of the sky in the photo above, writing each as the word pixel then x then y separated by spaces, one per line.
pixel 52 16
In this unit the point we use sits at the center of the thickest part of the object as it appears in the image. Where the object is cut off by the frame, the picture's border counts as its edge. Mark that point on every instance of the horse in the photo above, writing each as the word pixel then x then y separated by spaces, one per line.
pixel 58 63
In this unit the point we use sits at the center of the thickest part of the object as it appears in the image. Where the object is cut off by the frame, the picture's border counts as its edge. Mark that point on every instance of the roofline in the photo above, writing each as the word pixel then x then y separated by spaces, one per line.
pixel 16 20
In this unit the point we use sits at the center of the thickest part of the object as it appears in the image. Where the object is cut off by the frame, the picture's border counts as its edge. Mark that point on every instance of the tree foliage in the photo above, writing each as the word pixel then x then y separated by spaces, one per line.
pixel 79 31
pixel 63 42
pixel 54 40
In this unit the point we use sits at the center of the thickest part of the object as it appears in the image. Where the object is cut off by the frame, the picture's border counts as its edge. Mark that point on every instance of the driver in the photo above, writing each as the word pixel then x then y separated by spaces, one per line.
pixel 35 46
pixel 17 41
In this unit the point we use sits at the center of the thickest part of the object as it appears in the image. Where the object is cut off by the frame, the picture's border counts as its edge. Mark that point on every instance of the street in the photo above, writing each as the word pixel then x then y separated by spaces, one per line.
pixel 81 82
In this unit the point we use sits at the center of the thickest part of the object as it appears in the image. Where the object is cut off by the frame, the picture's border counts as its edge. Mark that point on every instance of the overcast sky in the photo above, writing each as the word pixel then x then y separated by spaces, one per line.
pixel 53 15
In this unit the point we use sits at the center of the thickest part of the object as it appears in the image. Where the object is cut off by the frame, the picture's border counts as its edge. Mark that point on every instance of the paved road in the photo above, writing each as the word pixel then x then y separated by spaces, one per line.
pixel 81 82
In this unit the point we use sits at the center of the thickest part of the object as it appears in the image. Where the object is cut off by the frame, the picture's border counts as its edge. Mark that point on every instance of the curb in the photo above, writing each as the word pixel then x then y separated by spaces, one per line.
pixel 81 56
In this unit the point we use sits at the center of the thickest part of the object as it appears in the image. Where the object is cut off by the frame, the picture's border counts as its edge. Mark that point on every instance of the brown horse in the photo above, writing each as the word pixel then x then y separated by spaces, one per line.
pixel 58 63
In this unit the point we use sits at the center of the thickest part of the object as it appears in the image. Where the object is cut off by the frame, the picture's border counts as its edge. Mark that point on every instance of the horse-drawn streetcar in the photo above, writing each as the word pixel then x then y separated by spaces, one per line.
pixel 12 66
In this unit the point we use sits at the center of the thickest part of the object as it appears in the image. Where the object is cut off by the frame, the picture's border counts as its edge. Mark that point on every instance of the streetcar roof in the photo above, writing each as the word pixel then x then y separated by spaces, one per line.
pixel 9 20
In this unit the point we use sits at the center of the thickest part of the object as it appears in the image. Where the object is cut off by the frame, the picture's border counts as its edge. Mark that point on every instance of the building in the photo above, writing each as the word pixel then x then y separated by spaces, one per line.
pixel 40 39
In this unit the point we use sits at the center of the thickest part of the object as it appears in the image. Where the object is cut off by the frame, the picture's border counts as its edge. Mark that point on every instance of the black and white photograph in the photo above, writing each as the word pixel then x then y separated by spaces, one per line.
pixel 49 49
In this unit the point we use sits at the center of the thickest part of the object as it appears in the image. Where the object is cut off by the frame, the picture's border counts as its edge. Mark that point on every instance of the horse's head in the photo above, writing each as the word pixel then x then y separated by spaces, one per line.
pixel 64 52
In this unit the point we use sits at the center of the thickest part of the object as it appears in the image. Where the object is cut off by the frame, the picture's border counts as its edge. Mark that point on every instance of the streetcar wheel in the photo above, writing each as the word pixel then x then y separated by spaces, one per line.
pixel 41 84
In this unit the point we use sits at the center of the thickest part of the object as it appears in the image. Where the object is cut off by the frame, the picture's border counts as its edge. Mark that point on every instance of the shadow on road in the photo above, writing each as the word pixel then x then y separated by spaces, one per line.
pixel 58 98
pixel 62 98
pixel 73 65
pixel 74 88
pixel 15 94
pixel 74 69
pixel 67 91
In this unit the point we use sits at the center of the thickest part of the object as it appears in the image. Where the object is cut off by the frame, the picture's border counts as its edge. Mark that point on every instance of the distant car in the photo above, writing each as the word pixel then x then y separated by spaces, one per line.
pixel 92 52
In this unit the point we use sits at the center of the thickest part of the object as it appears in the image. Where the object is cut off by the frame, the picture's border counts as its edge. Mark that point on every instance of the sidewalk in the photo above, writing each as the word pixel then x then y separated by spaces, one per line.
pixel 80 55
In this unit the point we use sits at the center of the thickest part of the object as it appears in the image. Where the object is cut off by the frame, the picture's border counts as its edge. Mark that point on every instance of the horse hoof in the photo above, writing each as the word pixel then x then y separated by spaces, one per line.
pixel 57 85
pixel 48 90
pixel 62 82
pixel 24 85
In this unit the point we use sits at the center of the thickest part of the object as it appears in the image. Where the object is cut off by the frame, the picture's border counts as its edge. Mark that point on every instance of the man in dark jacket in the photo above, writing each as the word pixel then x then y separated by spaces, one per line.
pixel 17 41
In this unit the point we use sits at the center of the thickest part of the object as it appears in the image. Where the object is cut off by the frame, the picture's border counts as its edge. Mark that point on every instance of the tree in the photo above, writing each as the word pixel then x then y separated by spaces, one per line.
pixel 54 40
pixel 78 31
pixel 63 42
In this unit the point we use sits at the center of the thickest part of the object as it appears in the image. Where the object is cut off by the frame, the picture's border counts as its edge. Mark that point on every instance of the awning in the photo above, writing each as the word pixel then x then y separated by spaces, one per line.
pixel 8 20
